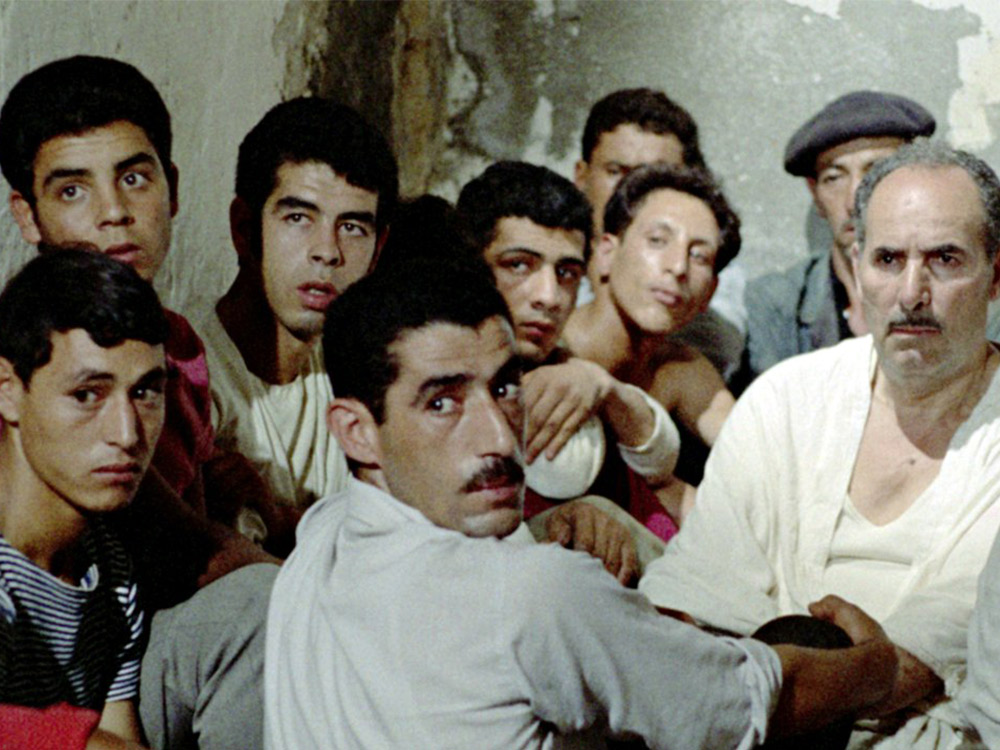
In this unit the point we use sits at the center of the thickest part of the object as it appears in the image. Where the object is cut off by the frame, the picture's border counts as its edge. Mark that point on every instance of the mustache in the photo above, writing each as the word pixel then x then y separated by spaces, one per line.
pixel 916 321
pixel 506 468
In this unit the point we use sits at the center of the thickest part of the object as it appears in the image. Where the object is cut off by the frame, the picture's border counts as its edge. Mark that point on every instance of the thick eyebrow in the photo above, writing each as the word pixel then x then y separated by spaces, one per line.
pixel 442 381
pixel 565 259
pixel 100 376
pixel 142 157
pixel 512 369
pixel 157 375
pixel 290 201
pixel 359 217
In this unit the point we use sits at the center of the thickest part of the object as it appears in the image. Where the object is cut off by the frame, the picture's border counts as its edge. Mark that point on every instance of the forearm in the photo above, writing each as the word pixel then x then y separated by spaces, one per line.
pixel 914 681
pixel 626 411
pixel 822 686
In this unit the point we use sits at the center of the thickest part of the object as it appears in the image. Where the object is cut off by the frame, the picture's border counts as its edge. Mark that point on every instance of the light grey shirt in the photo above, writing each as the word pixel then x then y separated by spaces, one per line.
pixel 387 631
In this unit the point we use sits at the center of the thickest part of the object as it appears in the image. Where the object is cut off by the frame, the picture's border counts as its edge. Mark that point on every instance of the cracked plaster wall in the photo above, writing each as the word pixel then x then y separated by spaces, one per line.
pixel 524 73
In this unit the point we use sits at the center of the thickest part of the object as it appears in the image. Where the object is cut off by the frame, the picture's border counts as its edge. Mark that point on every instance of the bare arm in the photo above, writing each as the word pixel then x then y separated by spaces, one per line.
pixel 579 525
pixel 693 389
pixel 118 728
pixel 559 398
pixel 822 686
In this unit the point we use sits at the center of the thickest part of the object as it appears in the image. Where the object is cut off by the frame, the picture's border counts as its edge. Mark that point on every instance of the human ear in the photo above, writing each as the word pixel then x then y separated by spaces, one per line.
pixel 24 215
pixel 354 427
pixel 172 181
pixel 11 389
pixel 604 255
pixel 580 174
pixel 241 220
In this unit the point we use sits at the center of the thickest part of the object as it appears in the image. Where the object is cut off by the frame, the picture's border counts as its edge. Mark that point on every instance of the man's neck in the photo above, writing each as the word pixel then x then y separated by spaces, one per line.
pixel 933 402
pixel 269 351
pixel 34 520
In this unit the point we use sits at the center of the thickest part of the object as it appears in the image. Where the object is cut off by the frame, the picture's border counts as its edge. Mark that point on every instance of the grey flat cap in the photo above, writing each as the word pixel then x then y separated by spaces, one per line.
pixel 860 114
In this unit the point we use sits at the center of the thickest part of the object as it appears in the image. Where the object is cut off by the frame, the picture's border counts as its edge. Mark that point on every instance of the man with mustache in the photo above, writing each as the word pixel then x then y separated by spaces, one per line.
pixel 868 470
pixel 813 304
pixel 315 186
pixel 405 618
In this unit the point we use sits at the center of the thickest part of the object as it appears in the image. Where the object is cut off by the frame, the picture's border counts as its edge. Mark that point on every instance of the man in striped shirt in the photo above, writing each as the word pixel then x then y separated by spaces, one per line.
pixel 81 395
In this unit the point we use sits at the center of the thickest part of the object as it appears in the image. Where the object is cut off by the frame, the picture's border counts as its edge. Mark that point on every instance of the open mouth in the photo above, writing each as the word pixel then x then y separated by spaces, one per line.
pixel 317 295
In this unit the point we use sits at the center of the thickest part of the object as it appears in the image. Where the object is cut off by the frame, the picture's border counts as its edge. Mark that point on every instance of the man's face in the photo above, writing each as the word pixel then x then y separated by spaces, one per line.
pixel 105 189
pixel 616 154
pixel 537 270
pixel 318 237
pixel 839 171
pixel 450 442
pixel 662 269
pixel 89 419
pixel 924 276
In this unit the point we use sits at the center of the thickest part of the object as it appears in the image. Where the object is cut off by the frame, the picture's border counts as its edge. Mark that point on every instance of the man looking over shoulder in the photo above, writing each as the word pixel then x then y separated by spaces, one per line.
pixel 532 228
pixel 867 470
pixel 82 375
pixel 668 232
pixel 631 128
pixel 315 185
pixel 813 304
pixel 428 410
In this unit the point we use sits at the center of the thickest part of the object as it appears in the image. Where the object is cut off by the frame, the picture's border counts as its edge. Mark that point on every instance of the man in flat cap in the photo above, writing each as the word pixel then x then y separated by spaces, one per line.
pixel 813 304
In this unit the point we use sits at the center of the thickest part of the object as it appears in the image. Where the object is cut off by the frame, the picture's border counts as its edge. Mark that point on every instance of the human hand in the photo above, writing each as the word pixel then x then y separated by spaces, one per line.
pixel 580 526
pixel 852 619
pixel 557 400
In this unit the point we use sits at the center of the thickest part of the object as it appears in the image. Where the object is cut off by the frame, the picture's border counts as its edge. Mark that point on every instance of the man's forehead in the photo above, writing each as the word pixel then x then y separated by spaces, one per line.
pixel 881 145
pixel 75 352
pixel 320 177
pixel 522 231
pixel 633 146
pixel 438 348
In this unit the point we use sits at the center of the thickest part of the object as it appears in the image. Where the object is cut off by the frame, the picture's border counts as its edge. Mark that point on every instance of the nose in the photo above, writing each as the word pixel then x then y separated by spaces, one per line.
pixel 496 432
pixel 916 291
pixel 326 250
pixel 545 290
pixel 122 424
pixel 114 209
pixel 676 258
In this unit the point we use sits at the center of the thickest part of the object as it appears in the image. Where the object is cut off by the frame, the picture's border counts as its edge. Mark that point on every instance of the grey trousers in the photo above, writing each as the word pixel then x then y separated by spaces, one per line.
pixel 202 679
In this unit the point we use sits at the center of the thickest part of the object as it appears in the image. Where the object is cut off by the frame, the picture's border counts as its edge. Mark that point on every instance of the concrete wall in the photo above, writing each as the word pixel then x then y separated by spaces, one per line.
pixel 459 83
pixel 218 65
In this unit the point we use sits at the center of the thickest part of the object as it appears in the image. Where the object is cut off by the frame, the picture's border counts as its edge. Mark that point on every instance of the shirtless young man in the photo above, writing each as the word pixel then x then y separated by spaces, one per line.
pixel 532 228
pixel 668 232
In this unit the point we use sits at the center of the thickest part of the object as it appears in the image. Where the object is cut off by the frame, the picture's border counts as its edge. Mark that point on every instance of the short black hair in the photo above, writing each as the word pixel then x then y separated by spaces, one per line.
pixel 69 97
pixel 631 192
pixel 314 129
pixel 63 290
pixel 649 110
pixel 422 227
pixel 517 189
pixel 374 312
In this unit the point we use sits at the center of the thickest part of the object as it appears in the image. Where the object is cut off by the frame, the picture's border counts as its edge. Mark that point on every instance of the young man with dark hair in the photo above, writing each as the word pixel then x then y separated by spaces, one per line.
pixel 532 228
pixel 315 187
pixel 82 375
pixel 457 638
pixel 631 128
pixel 668 232
pixel 85 144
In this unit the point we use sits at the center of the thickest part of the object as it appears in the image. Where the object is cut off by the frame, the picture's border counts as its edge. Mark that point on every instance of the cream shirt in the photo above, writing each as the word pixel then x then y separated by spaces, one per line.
pixel 758 544
pixel 280 428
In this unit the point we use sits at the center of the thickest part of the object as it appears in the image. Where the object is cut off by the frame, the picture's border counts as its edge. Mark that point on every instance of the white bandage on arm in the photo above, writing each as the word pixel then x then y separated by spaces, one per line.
pixel 655 459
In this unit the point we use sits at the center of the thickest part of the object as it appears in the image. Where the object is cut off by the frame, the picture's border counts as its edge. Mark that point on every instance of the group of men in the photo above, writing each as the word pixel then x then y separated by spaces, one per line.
pixel 377 424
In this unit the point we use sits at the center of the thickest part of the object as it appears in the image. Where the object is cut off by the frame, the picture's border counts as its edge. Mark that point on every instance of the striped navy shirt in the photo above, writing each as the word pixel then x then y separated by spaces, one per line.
pixel 60 642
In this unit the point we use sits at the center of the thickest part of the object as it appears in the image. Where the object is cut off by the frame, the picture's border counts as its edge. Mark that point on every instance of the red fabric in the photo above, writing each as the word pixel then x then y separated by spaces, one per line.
pixel 58 727
pixel 188 439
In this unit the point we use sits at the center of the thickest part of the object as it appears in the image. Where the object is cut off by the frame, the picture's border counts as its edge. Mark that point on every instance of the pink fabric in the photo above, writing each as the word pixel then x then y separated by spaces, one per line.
pixel 58 727
pixel 188 439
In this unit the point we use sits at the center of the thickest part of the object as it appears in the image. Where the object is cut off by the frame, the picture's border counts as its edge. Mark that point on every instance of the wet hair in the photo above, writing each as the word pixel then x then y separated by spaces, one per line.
pixel 63 290
pixel 649 110
pixel 932 154
pixel 373 313
pixel 631 192
pixel 517 189
pixel 310 129
pixel 72 96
